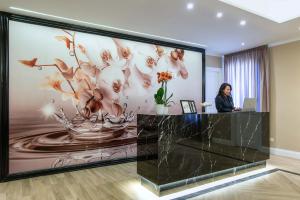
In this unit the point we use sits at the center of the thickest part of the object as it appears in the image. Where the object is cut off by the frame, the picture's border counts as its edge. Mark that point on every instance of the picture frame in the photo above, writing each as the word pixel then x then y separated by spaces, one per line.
pixel 188 107
pixel 5 19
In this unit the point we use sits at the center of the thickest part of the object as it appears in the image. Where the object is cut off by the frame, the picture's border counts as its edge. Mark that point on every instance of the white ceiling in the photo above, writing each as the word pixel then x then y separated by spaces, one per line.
pixel 276 10
pixel 169 18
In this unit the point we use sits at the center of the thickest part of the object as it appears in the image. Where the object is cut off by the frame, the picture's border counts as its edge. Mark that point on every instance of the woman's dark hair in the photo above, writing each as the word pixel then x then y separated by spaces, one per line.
pixel 222 88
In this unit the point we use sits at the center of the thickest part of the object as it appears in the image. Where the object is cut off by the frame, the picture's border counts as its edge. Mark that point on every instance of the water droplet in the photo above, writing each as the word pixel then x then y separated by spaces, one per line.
pixel 71 53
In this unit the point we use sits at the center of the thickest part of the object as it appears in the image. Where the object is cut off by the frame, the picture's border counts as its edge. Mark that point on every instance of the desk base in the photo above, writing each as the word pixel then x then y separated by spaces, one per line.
pixel 161 190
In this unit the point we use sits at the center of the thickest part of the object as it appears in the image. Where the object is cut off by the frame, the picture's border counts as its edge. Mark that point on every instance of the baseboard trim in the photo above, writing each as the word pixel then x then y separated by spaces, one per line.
pixel 284 152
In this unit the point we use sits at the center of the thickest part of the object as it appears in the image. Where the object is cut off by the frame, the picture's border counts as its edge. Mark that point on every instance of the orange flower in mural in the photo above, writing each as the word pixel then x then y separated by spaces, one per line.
pixel 163 76
pixel 82 48
pixel 159 51
pixel 177 54
pixel 150 62
pixel 125 52
pixel 106 56
pixel 65 39
pixel 29 63
pixel 92 105
pixel 117 86
pixel 54 82
pixel 180 53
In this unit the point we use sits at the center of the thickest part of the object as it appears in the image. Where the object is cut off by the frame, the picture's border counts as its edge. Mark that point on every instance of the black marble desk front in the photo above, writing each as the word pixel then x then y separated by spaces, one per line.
pixel 178 147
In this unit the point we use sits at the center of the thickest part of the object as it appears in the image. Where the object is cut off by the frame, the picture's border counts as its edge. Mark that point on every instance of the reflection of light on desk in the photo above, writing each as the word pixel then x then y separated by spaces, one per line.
pixel 141 192
pixel 191 118
pixel 48 110
pixel 215 184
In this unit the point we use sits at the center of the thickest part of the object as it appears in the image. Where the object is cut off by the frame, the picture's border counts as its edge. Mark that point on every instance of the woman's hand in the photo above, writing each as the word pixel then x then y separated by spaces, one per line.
pixel 237 109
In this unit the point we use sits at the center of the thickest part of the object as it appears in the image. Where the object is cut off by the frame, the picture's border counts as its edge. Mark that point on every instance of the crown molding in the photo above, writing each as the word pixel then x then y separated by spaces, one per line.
pixel 274 44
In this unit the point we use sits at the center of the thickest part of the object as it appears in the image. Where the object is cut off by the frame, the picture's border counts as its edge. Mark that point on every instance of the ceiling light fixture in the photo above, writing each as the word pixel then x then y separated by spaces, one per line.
pixel 219 15
pixel 276 10
pixel 243 22
pixel 105 27
pixel 190 6
pixel 243 44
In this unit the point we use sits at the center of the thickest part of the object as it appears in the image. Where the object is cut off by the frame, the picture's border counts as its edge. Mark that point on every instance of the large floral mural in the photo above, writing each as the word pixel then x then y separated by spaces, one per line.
pixel 74 96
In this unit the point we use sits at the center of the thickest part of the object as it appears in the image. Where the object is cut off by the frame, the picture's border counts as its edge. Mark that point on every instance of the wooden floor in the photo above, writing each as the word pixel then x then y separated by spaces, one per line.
pixel 121 182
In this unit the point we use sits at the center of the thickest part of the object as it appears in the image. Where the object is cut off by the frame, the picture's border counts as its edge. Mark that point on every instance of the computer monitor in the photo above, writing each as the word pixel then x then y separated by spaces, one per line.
pixel 249 104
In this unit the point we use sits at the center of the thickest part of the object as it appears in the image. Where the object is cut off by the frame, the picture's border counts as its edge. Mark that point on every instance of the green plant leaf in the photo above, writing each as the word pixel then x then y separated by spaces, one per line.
pixel 168 104
pixel 160 92
pixel 158 97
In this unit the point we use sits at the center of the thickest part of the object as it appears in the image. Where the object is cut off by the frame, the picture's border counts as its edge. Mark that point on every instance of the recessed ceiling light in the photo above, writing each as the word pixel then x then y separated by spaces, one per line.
pixel 243 22
pixel 219 15
pixel 299 28
pixel 276 10
pixel 190 6
pixel 243 44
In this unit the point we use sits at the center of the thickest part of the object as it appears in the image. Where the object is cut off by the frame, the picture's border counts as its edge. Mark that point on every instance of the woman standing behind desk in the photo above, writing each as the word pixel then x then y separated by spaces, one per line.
pixel 224 101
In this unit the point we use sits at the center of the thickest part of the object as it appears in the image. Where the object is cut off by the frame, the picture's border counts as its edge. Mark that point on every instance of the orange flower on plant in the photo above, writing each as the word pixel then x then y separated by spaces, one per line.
pixel 163 76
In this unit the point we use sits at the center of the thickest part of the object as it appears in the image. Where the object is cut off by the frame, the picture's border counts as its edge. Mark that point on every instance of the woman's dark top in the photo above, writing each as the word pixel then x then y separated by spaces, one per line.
pixel 224 103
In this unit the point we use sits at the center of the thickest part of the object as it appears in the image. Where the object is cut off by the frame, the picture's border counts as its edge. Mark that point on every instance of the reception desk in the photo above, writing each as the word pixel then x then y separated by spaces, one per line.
pixel 178 149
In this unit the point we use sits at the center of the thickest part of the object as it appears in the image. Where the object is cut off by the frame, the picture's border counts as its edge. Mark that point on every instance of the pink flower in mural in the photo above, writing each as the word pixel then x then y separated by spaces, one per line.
pixel 54 82
pixel 177 54
pixel 29 63
pixel 106 56
pixel 65 39
pixel 159 51
pixel 144 78
pixel 150 62
pixel 117 86
pixel 177 61
pixel 123 51
pixel 180 53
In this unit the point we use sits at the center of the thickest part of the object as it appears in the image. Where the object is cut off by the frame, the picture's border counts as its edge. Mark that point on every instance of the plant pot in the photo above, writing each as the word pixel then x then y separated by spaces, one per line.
pixel 161 109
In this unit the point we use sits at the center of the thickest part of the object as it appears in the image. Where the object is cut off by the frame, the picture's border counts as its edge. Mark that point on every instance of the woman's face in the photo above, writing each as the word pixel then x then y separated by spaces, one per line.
pixel 227 91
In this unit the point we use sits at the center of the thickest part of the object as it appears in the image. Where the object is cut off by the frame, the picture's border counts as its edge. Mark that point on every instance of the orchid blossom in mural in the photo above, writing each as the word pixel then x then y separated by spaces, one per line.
pixel 96 87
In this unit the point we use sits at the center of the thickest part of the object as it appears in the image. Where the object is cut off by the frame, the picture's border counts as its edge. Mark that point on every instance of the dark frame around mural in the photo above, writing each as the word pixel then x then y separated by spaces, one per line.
pixel 4 84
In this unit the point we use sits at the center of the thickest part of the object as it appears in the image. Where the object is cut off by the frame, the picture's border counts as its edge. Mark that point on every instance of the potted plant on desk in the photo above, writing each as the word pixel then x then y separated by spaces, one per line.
pixel 161 99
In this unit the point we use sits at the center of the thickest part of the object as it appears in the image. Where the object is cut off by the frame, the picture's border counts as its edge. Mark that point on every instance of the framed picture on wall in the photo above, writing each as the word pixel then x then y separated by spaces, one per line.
pixel 188 106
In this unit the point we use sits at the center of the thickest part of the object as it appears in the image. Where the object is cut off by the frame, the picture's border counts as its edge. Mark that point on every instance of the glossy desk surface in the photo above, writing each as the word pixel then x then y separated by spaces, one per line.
pixel 177 147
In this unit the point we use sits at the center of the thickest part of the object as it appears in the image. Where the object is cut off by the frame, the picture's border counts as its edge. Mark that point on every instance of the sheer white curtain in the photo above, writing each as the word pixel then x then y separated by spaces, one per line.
pixel 248 73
